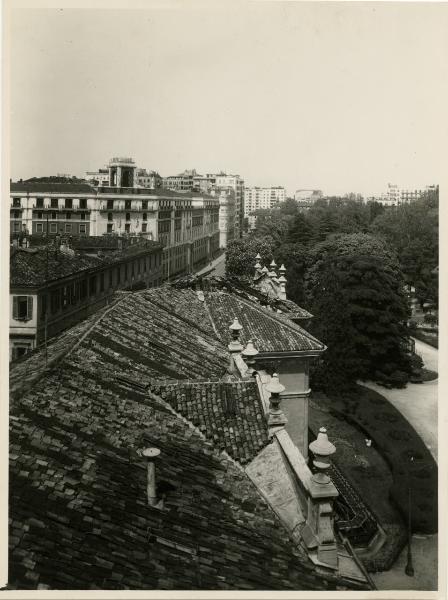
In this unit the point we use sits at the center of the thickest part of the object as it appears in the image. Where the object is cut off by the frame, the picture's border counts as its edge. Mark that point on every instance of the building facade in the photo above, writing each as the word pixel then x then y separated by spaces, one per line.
pixel 307 196
pixel 52 287
pixel 226 217
pixel 187 224
pixel 256 198
pixel 397 195
pixel 191 180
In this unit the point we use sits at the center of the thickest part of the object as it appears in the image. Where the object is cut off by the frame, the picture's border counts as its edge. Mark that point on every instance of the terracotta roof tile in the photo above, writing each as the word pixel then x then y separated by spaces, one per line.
pixel 79 514
pixel 229 414
pixel 269 331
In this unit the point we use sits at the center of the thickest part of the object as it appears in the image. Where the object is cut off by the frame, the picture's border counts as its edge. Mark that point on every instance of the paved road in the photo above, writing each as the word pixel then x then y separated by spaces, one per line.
pixel 429 354
pixel 424 560
pixel 418 402
pixel 219 264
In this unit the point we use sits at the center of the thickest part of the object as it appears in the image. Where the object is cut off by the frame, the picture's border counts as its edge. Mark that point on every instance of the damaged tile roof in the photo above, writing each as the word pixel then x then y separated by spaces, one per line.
pixel 28 266
pixel 40 187
pixel 79 517
pixel 269 331
pixel 230 414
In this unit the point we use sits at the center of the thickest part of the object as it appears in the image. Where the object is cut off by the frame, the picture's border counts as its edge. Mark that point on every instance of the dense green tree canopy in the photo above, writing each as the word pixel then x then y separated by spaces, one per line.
pixel 240 255
pixel 355 290
pixel 412 230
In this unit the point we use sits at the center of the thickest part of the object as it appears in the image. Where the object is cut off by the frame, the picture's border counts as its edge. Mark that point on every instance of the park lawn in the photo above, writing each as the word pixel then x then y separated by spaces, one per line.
pixel 400 447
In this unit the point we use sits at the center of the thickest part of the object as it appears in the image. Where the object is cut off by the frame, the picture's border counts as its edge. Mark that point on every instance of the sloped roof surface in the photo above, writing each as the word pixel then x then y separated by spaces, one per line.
pixel 79 517
pixel 265 328
pixel 230 414
pixel 29 267
pixel 294 311
pixel 58 188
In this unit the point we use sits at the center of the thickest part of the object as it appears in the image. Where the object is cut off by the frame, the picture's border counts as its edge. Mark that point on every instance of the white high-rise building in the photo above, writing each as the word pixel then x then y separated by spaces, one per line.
pixel 256 198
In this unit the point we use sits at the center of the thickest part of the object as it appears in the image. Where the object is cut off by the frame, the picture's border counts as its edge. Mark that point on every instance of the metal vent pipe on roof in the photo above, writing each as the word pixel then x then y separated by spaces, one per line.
pixel 151 454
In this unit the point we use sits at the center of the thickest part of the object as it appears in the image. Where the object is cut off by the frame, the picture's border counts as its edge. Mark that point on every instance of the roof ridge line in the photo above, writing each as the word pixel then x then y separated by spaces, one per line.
pixel 290 324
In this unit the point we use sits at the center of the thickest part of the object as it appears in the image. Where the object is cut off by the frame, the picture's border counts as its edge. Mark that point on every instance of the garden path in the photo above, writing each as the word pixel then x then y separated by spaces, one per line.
pixel 417 402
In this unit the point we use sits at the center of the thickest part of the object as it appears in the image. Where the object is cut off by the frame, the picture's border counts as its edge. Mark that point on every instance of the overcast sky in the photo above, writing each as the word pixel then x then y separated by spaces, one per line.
pixel 337 96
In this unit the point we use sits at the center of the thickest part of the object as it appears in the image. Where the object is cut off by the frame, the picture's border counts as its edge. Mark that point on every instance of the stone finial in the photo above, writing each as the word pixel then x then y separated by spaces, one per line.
pixel 322 449
pixel 258 257
pixel 265 270
pixel 282 290
pixel 257 268
pixel 273 264
pixel 235 328
pixel 282 269
pixel 249 353
pixel 276 417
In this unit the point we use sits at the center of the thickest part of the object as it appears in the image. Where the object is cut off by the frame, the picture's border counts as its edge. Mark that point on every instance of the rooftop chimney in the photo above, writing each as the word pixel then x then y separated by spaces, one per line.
pixel 235 328
pixel 151 455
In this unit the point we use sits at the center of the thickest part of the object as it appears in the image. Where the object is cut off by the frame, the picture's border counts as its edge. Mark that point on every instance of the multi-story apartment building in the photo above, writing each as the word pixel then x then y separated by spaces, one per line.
pixel 256 198
pixel 100 177
pixel 148 179
pixel 226 217
pixel 143 178
pixel 396 195
pixel 191 180
pixel 187 224
pixel 307 196
pixel 186 181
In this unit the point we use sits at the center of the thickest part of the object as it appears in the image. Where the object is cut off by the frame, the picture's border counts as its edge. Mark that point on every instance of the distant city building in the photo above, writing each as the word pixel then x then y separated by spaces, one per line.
pixel 396 195
pixel 143 177
pixel 148 179
pixel 307 196
pixel 187 223
pixel 226 217
pixel 184 182
pixel 256 198
pixel 100 177
pixel 191 180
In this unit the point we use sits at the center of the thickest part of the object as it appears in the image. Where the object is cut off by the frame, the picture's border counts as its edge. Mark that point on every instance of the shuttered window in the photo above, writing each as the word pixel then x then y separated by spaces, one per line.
pixel 22 308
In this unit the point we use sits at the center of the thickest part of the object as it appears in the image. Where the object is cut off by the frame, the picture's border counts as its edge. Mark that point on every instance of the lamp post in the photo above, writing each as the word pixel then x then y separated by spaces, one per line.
pixel 409 569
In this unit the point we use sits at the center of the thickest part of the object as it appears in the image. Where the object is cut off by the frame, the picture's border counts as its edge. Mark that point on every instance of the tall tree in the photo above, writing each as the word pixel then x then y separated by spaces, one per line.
pixel 356 292
pixel 412 230
pixel 294 257
pixel 240 255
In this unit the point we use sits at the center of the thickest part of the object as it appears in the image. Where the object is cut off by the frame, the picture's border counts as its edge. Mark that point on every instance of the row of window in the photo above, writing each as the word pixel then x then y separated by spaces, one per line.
pixel 41 227
pixel 54 203
pixel 110 216
pixel 77 291
pixel 127 228
pixel 67 217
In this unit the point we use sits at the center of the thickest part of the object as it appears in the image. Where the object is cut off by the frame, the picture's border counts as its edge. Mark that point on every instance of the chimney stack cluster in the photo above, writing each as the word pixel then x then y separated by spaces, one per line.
pixel 279 282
